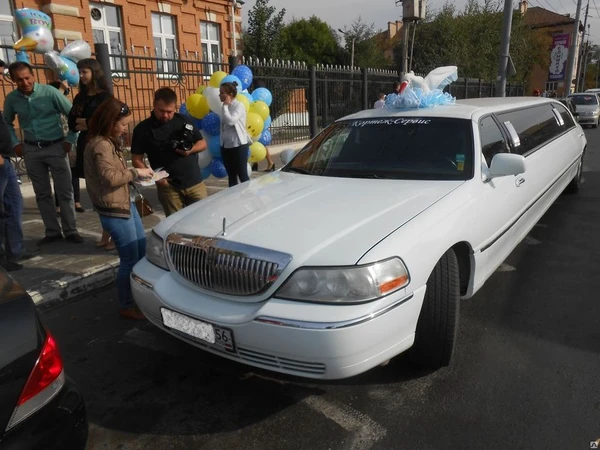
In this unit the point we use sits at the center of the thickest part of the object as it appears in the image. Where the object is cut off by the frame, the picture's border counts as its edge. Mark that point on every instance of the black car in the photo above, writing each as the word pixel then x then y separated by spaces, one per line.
pixel 40 407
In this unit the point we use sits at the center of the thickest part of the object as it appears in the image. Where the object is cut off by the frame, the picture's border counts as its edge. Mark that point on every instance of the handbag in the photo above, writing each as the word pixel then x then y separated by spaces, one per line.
pixel 143 206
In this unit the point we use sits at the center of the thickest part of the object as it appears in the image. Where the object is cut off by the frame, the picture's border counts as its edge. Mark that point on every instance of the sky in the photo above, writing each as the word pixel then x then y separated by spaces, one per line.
pixel 341 13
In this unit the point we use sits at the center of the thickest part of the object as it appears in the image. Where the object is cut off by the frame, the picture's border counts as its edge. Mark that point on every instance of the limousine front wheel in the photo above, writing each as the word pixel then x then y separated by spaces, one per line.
pixel 437 326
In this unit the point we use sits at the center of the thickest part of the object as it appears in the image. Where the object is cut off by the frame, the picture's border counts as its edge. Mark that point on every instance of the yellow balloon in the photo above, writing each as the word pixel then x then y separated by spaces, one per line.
pixel 200 90
pixel 259 107
pixel 215 79
pixel 244 101
pixel 258 152
pixel 197 105
pixel 254 125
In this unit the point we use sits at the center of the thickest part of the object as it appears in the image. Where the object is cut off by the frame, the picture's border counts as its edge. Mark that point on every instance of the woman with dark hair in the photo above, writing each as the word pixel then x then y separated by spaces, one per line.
pixel 107 180
pixel 92 92
pixel 234 137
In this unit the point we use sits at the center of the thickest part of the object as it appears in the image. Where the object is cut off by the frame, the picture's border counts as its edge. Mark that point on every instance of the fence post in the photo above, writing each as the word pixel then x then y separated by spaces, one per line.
pixel 466 87
pixel 508 90
pixel 102 57
pixel 325 102
pixel 312 102
pixel 480 87
pixel 365 96
pixel 233 62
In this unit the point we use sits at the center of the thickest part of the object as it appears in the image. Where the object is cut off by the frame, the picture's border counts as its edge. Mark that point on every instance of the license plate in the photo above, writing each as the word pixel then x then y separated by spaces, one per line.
pixel 221 338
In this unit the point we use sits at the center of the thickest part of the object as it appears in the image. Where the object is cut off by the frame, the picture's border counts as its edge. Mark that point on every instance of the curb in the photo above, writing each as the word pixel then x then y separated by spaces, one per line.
pixel 54 292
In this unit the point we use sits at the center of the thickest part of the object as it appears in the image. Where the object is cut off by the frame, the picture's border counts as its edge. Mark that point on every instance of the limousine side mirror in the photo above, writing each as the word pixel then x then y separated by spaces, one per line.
pixel 504 164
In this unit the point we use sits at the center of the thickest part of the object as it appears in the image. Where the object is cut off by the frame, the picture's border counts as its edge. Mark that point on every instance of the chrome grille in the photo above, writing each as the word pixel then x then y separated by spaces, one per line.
pixel 224 266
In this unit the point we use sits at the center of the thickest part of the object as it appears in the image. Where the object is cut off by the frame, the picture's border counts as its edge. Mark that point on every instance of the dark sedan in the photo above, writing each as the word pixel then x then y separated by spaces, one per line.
pixel 40 407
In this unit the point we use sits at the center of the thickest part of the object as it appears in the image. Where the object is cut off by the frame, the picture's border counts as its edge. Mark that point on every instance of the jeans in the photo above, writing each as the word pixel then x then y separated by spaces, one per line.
pixel 235 161
pixel 11 212
pixel 38 162
pixel 130 241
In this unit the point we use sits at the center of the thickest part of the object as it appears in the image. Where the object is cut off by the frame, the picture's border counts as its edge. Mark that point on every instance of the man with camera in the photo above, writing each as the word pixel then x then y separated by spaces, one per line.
pixel 172 143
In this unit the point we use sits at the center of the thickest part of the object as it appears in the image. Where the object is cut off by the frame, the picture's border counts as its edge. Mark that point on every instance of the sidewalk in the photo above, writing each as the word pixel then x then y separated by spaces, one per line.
pixel 64 270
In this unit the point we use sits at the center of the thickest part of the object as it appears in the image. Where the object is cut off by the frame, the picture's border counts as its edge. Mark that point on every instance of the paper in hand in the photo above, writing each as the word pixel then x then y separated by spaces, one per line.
pixel 155 177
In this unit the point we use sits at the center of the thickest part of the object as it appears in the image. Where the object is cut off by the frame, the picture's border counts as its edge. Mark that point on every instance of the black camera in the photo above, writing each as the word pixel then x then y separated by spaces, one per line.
pixel 181 144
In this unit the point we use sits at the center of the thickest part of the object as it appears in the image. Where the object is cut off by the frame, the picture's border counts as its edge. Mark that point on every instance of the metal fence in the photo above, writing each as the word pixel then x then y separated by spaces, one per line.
pixel 305 98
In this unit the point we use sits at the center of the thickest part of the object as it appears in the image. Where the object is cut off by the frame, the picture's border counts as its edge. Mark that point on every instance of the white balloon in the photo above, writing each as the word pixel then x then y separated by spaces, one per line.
pixel 77 50
pixel 249 169
pixel 204 159
pixel 214 102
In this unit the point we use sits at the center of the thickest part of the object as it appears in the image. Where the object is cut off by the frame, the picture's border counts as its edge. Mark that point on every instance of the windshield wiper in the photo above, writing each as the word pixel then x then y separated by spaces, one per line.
pixel 299 170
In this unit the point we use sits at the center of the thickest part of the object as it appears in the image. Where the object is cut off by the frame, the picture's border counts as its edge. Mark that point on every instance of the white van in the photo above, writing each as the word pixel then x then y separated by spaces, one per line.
pixel 361 246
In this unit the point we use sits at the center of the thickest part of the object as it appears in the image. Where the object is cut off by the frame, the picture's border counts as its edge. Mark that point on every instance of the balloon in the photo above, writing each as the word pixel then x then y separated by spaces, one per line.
pixel 215 79
pixel 243 100
pixel 287 155
pixel 254 124
pixel 217 168
pixel 183 110
pixel 233 79
pixel 214 146
pixel 212 123
pixel 204 159
pixel 249 168
pixel 200 90
pixel 206 171
pixel 259 107
pixel 265 137
pixel 197 123
pixel 258 152
pixel 262 94
pixel 247 95
pixel 244 73
pixel 268 121
pixel 197 106
pixel 214 102
pixel 65 68
pixel 36 29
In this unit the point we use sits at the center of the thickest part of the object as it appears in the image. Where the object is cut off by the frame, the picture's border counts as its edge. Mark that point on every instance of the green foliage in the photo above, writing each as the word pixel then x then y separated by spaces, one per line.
pixel 263 39
pixel 367 51
pixel 310 40
pixel 470 40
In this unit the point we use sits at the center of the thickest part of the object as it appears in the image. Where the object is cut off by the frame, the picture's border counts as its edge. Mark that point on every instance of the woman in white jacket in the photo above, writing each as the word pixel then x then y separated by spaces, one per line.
pixel 234 137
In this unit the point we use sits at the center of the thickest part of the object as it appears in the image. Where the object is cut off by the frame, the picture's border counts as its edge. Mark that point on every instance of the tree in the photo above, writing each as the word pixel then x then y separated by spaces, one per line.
pixel 312 41
pixel 262 39
pixel 366 49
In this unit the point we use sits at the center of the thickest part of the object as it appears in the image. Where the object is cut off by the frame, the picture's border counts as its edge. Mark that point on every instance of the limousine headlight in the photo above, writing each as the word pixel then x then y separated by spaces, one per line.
pixel 346 284
pixel 155 251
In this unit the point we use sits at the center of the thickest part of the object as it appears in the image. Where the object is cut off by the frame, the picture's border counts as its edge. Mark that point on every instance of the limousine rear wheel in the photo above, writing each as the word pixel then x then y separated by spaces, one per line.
pixel 437 327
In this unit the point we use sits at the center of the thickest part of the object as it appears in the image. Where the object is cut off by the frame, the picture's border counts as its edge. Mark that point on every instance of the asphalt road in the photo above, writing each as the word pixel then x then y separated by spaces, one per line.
pixel 526 373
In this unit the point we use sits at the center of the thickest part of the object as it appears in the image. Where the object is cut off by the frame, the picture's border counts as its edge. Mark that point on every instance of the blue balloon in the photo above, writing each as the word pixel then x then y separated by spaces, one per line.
pixel 267 123
pixel 232 79
pixel 214 146
pixel 206 172
pixel 211 123
pixel 217 168
pixel 183 110
pixel 197 123
pixel 262 94
pixel 265 138
pixel 244 73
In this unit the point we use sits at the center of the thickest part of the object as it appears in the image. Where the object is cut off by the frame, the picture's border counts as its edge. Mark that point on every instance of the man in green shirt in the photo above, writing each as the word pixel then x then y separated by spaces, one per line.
pixel 44 148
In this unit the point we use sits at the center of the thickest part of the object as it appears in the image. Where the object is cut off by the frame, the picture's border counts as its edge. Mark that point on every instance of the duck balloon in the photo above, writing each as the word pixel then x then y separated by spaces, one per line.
pixel 65 62
pixel 36 29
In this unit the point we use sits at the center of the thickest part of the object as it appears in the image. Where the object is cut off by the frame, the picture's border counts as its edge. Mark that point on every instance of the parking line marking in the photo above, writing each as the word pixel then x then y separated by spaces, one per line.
pixel 505 268
pixel 531 241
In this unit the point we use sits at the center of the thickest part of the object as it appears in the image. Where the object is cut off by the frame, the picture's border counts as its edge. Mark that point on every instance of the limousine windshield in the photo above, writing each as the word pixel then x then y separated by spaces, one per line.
pixel 409 148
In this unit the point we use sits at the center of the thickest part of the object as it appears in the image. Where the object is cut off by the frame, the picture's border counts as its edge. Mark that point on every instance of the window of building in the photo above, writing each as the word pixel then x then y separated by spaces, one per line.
pixel 8 30
pixel 165 44
pixel 107 29
pixel 210 35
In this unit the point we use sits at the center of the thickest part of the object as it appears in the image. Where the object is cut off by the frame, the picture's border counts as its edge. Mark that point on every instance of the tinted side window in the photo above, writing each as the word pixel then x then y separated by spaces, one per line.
pixel 492 140
pixel 535 126
pixel 569 123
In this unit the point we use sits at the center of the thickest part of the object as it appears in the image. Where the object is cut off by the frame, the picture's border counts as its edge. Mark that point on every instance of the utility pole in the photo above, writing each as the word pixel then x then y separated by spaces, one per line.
pixel 579 83
pixel 352 53
pixel 505 48
pixel 573 50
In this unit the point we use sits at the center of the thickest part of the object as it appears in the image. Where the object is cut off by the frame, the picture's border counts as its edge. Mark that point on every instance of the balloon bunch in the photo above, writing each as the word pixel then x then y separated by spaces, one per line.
pixel 204 106
pixel 36 28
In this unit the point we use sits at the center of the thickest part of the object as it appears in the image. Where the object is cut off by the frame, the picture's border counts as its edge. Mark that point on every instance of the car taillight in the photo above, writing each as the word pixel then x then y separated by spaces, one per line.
pixel 45 381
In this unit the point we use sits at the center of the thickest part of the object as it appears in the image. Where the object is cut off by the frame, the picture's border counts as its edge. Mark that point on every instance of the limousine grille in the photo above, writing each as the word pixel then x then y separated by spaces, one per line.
pixel 224 266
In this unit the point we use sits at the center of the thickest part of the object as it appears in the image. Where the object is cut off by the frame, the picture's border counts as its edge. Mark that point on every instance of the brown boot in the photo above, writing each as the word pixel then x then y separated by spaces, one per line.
pixel 131 313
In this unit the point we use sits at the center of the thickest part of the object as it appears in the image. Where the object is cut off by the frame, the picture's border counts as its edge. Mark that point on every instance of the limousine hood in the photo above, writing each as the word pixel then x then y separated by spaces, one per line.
pixel 317 220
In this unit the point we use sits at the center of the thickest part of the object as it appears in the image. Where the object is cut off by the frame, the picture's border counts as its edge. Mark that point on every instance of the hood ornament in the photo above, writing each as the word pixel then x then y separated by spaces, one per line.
pixel 224 226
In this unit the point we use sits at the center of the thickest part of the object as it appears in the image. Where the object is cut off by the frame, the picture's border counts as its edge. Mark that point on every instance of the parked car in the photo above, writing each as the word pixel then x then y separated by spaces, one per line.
pixel 40 407
pixel 588 108
pixel 361 247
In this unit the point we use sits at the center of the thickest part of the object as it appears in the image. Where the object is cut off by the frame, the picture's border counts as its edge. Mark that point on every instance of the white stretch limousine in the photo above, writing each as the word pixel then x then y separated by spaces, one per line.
pixel 362 245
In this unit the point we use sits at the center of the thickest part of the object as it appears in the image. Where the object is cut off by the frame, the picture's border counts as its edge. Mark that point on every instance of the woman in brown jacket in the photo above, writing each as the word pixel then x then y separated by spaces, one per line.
pixel 107 179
